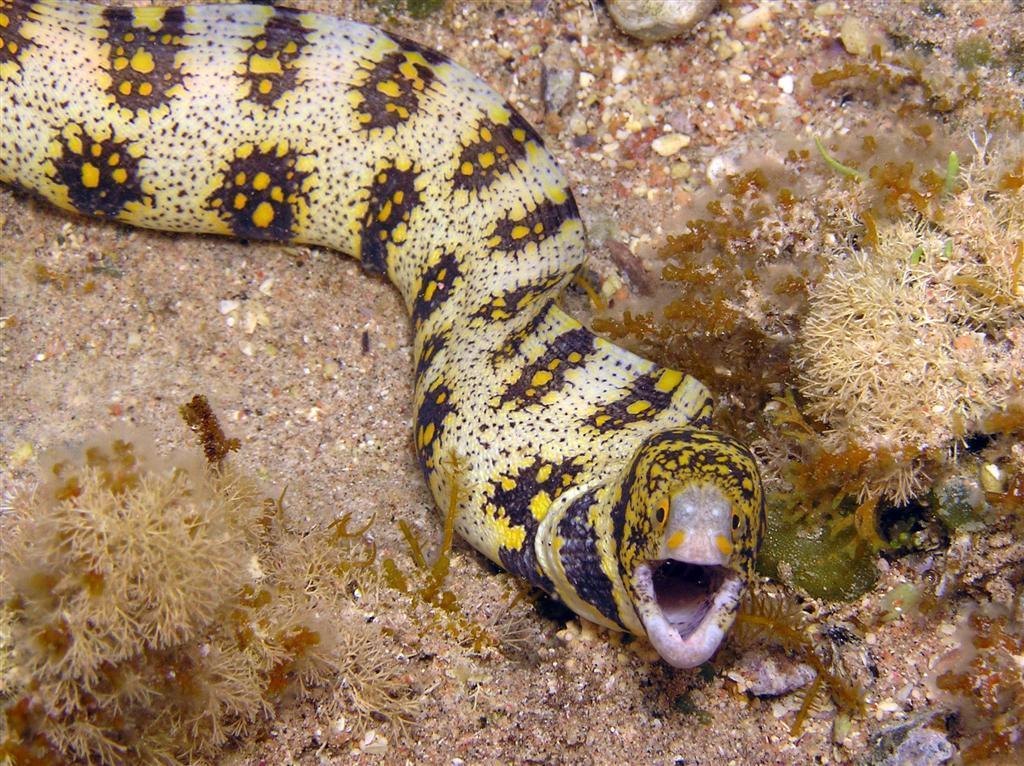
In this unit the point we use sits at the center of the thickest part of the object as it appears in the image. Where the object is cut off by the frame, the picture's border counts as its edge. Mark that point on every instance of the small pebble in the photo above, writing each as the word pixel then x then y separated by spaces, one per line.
pixel 910 743
pixel 669 144
pixel 786 84
pixel 374 744
pixel 720 167
pixel 559 74
pixel 770 674
pixel 993 478
pixel 680 170
pixel 759 17
pixel 726 49
pixel 21 455
pixel 854 37
pixel 652 20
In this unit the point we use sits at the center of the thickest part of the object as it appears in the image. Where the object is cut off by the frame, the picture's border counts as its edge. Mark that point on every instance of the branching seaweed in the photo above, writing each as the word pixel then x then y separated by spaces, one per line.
pixel 763 619
pixel 425 585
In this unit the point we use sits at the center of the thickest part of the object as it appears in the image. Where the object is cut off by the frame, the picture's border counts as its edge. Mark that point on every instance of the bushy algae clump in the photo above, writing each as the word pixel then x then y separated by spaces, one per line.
pixel 915 332
pixel 154 607
pixel 982 681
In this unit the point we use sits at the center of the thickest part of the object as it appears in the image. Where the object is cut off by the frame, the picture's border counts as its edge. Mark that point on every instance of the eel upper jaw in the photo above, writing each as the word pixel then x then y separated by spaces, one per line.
pixel 687 598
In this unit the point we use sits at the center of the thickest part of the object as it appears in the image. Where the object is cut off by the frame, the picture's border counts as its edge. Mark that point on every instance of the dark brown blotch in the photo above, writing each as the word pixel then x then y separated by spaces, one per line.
pixel 543 221
pixel 546 374
pixel 13 44
pixel 642 401
pixel 263 191
pixel 101 175
pixel 143 63
pixel 434 287
pixel 272 58
pixel 392 199
pixel 512 499
pixel 430 424
pixel 392 88
pixel 497 148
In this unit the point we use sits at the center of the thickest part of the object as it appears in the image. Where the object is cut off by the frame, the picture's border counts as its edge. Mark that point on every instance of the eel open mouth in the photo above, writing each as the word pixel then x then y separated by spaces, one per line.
pixel 687 608
pixel 687 596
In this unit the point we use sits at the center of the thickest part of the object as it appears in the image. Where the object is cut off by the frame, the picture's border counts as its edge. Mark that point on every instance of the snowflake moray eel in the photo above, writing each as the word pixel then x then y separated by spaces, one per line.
pixel 586 470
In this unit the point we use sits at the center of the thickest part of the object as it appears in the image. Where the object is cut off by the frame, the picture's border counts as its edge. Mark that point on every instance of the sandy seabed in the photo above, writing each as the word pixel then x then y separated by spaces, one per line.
pixel 307 360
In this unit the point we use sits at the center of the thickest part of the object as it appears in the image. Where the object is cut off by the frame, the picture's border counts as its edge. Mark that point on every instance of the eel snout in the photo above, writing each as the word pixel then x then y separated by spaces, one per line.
pixel 689 594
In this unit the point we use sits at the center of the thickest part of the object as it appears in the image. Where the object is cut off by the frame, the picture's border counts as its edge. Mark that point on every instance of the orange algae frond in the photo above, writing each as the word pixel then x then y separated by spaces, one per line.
pixel 983 681
pixel 886 72
pixel 347 541
pixel 199 416
pixel 414 545
pixel 424 585
pixel 826 475
pixel 698 321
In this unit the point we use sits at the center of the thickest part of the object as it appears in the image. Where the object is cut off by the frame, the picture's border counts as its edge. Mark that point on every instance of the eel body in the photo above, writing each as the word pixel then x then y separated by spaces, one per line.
pixel 586 470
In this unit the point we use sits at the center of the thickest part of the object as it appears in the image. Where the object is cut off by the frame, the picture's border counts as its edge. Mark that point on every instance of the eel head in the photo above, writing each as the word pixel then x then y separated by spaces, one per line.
pixel 693 516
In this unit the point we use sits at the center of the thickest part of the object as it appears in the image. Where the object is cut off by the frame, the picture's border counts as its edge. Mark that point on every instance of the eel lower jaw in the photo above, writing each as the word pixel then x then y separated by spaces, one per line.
pixel 686 608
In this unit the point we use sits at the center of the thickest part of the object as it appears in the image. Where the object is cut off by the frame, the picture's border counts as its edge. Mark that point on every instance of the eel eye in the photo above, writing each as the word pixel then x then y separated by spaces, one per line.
pixel 661 512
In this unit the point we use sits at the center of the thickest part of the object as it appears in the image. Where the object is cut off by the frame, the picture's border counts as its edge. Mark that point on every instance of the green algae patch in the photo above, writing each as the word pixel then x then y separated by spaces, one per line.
pixel 826 563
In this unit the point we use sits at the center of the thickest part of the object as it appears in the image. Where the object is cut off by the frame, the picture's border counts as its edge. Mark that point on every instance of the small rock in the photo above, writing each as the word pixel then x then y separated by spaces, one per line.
pixel 786 84
pixel 680 170
pixel 669 144
pixel 854 37
pixel 653 20
pixel 680 121
pixel 993 478
pixel 721 166
pixel 960 500
pixel 910 743
pixel 21 455
pixel 771 674
pixel 559 74
pixel 374 744
pixel 759 17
